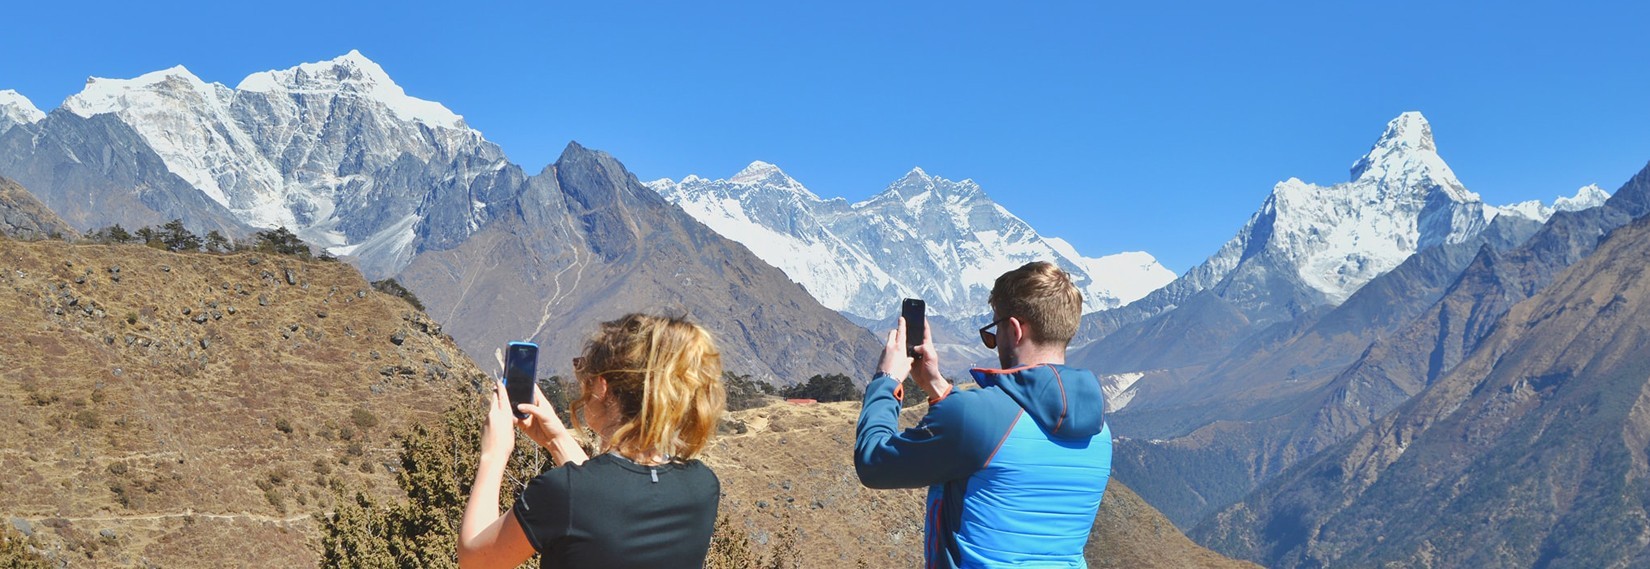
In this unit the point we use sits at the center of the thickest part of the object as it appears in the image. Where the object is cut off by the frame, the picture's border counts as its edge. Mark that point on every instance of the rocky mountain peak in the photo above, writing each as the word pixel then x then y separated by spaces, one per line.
pixel 759 172
pixel 177 85
pixel 922 235
pixel 1405 156
pixel 356 75
pixel 1589 196
pixel 917 184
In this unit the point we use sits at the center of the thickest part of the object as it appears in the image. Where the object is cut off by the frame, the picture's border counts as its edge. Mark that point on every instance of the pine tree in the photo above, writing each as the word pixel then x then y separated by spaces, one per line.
pixel 176 237
pixel 217 243
pixel 282 242
pixel 438 462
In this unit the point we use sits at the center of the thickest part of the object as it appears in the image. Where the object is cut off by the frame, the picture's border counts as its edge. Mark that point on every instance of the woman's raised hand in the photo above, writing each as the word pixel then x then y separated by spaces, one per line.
pixel 545 428
pixel 542 425
pixel 498 438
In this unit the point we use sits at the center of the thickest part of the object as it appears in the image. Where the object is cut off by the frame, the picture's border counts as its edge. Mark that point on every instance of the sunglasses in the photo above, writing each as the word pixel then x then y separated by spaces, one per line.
pixel 988 337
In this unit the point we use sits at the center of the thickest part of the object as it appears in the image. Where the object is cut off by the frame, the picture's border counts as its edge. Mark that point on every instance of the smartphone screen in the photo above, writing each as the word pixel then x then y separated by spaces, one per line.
pixel 521 364
pixel 913 310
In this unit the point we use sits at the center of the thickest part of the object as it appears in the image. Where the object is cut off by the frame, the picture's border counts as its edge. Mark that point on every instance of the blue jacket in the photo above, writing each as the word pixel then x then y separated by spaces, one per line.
pixel 1015 470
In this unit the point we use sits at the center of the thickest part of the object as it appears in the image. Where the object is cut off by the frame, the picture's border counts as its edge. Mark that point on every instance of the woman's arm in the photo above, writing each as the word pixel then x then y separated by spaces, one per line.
pixel 484 538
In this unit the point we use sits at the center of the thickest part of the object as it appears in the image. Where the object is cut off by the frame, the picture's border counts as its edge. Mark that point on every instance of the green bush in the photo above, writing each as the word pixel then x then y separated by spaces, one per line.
pixel 437 463
pixel 16 551
pixel 825 388
pixel 745 392
pixel 393 288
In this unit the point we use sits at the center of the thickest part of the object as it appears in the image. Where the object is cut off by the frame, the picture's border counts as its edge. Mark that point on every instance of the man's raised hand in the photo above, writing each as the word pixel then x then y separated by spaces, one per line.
pixel 895 363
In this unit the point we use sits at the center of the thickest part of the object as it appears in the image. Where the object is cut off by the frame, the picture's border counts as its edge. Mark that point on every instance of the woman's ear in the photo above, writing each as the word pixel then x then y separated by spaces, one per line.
pixel 598 388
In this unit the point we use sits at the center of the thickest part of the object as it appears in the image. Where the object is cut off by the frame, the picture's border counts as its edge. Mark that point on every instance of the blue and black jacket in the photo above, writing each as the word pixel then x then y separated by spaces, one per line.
pixel 1015 469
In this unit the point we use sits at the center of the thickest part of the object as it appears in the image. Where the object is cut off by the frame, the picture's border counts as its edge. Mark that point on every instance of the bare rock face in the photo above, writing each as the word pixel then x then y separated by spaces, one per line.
pixel 96 172
pixel 585 242
pixel 21 215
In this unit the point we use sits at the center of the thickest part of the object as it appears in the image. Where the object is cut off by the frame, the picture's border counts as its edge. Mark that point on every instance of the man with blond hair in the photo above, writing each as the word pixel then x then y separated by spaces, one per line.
pixel 1015 469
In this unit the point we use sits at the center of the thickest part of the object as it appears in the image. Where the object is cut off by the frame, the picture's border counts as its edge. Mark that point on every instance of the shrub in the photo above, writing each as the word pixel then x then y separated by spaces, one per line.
pixel 111 234
pixel 17 552
pixel 363 418
pixel 281 242
pixel 745 392
pixel 283 425
pixel 393 288
pixel 730 548
pixel 825 388
pixel 437 462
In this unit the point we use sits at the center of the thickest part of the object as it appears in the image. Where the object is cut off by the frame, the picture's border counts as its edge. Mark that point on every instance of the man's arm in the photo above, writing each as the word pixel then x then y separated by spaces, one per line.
pixel 936 450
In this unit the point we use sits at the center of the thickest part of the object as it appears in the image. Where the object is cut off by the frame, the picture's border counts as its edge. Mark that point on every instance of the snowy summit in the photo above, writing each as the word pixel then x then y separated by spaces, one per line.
pixel 17 109
pixel 922 236
pixel 334 151
pixel 352 73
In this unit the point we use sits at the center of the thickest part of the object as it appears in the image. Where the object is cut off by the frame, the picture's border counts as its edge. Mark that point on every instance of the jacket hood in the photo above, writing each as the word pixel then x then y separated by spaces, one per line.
pixel 1065 401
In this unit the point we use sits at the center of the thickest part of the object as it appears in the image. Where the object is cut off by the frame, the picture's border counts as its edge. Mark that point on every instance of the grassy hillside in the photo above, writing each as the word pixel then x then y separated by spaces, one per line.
pixel 793 466
pixel 193 409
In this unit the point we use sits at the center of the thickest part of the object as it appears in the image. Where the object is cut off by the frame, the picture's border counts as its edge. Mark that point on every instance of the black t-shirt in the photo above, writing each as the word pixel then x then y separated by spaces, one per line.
pixel 611 512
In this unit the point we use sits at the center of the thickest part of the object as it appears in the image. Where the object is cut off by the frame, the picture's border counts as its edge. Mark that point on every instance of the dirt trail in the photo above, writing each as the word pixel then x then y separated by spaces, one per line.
pixel 184 514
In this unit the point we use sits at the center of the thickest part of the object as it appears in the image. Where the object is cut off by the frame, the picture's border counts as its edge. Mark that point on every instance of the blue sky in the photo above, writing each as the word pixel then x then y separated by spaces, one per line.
pixel 1118 126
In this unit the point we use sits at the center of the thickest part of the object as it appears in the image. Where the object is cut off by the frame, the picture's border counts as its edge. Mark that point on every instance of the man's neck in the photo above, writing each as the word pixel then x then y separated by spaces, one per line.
pixel 1030 354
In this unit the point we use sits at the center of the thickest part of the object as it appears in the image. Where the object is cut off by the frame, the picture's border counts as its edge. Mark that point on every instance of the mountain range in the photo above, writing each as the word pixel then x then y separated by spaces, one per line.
pixel 1236 381
pixel 922 237
pixel 1364 374
pixel 1529 452
pixel 338 153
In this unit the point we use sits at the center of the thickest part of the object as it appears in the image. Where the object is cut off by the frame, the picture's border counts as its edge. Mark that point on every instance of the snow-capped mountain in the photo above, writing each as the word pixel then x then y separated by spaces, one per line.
pixel 1589 196
pixel 333 150
pixel 1310 245
pixel 923 236
pixel 1401 198
pixel 16 109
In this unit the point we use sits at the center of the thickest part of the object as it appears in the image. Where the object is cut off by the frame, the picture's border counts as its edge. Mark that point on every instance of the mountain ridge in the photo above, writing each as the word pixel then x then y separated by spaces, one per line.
pixel 856 257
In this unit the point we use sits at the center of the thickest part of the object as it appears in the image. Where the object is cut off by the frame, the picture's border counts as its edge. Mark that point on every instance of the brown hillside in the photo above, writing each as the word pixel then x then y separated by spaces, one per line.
pixel 794 462
pixel 194 410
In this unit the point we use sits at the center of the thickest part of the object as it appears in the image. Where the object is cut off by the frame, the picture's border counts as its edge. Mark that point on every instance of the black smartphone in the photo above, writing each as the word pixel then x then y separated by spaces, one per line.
pixel 914 311
pixel 521 362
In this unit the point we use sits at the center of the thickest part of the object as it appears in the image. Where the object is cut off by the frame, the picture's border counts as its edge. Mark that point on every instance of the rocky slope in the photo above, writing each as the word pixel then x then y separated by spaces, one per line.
pixel 1239 403
pixel 1529 453
pixel 98 171
pixel 195 410
pixel 340 154
pixel 585 242
pixel 23 216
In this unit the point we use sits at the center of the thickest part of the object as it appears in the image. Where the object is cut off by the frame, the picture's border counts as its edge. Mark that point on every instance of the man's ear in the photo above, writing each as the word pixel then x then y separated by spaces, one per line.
pixel 1019 330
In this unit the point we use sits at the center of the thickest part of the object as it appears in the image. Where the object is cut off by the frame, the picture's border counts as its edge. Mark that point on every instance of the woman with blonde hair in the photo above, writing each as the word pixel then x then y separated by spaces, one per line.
pixel 650 388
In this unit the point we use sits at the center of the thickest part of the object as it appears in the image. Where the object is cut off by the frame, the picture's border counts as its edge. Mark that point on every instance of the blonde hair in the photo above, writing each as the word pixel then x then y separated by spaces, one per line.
pixel 665 375
pixel 1042 296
